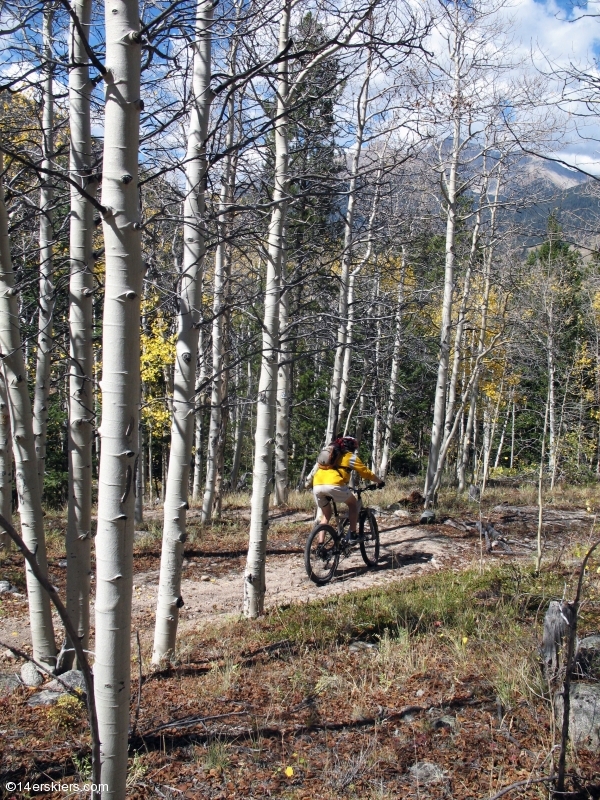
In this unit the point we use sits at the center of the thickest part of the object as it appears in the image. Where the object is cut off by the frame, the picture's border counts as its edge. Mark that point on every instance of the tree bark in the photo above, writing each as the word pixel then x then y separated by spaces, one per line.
pixel 199 417
pixel 254 576
pixel 46 298
pixel 184 389
pixel 284 391
pixel 5 465
pixel 120 390
pixel 221 284
pixel 81 373
pixel 391 404
pixel 336 380
pixel 439 407
pixel 21 423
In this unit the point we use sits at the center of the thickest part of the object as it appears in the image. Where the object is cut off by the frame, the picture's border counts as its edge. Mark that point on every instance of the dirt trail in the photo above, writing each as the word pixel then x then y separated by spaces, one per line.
pixel 211 590
pixel 405 551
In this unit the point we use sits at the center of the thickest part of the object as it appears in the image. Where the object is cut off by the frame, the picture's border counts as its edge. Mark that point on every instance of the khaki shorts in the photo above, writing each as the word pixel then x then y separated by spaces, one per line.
pixel 339 493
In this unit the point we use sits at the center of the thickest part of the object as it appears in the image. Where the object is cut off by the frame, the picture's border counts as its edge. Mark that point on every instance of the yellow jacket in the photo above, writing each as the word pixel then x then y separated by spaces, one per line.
pixel 340 475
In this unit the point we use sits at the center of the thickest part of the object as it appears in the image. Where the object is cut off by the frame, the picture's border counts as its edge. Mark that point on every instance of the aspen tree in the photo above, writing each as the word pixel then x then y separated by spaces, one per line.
pixel 21 424
pixel 46 298
pixel 184 391
pixel 81 372
pixel 120 387
pixel 5 464
pixel 391 404
pixel 221 285
pixel 254 576
pixel 342 332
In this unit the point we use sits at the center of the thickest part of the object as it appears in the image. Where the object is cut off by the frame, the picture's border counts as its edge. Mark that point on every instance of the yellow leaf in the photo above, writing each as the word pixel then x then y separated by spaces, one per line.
pixel 289 771
pixel 465 639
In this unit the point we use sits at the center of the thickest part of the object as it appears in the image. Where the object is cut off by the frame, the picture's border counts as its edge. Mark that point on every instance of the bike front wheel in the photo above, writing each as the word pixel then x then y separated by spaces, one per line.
pixel 321 554
pixel 369 532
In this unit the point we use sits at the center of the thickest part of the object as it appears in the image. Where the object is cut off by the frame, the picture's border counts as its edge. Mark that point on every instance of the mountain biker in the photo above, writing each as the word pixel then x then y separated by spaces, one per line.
pixel 331 482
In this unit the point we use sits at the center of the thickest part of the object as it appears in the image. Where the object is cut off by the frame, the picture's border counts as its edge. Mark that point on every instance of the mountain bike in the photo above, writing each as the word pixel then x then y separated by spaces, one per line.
pixel 327 544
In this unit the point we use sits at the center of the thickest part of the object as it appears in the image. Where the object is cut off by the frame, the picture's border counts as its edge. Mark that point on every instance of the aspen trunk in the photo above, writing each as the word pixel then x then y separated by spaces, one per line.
pixel 5 464
pixel 184 390
pixel 221 285
pixel 21 423
pixel 46 298
pixel 282 426
pixel 391 404
pixel 199 417
pixel 254 577
pixel 239 431
pixel 120 390
pixel 81 372
pixel 439 406
pixel 502 435
pixel 336 380
pixel 551 396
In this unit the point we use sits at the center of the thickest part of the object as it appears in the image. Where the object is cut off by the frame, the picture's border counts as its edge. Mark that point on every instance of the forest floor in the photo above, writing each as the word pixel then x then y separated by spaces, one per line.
pixel 417 679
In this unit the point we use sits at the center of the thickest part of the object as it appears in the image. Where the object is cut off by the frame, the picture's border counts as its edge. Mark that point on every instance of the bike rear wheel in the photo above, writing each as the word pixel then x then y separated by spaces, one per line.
pixel 369 547
pixel 321 557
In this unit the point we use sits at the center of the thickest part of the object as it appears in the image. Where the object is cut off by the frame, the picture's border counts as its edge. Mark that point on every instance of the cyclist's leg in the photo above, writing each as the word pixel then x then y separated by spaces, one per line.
pixel 352 504
pixel 325 507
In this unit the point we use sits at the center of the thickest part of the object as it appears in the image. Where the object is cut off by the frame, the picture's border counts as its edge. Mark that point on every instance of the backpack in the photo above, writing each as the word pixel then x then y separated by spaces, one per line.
pixel 330 456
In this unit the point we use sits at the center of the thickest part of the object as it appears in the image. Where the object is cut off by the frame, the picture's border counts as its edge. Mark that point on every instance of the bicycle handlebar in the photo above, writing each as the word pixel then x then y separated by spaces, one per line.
pixel 369 488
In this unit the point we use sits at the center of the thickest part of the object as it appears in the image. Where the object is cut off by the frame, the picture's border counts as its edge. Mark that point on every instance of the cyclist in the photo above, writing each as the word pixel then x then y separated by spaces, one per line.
pixel 331 482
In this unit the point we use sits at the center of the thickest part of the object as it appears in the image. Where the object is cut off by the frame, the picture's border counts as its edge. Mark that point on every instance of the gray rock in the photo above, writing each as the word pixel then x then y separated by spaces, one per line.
pixel 6 586
pixel 393 507
pixel 204 578
pixel 362 647
pixel 427 517
pixel 474 493
pixel 73 678
pixel 30 675
pixel 584 718
pixel 9 682
pixel 402 513
pixel 424 772
pixel 588 658
pixel 44 698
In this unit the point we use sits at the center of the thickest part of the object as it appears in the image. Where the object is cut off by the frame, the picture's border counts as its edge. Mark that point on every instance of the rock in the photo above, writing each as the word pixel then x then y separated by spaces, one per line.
pixel 419 692
pixel 6 586
pixel 424 772
pixel 474 493
pixel 445 722
pixel 427 517
pixel 393 507
pixel 30 675
pixel 44 698
pixel 454 524
pixel 62 562
pixel 584 718
pixel 361 647
pixel 588 657
pixel 9 655
pixel 9 682
pixel 73 678
pixel 402 513
pixel 204 577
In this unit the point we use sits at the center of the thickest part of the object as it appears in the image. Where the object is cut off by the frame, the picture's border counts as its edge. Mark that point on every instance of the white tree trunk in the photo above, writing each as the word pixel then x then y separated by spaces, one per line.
pixel 391 404
pixel 336 379
pixel 81 373
pixel 221 283
pixel 240 418
pixel 46 298
pixel 120 388
pixel 199 398
pixel 254 576
pixel 284 391
pixel 5 464
pixel 184 389
pixel 439 406
pixel 21 423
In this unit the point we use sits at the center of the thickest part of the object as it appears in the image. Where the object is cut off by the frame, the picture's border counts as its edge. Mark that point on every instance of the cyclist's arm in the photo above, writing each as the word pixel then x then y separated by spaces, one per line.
pixel 364 472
